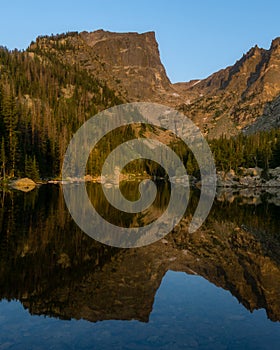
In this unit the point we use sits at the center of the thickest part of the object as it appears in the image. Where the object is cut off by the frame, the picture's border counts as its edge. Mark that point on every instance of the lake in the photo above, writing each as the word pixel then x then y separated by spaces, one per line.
pixel 218 288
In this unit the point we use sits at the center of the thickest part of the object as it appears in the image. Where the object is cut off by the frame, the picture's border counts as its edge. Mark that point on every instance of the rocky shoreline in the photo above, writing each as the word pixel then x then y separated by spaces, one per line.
pixel 244 178
pixel 249 178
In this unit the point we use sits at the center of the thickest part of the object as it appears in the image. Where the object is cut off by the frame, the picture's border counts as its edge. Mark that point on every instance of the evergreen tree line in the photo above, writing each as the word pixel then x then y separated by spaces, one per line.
pixel 42 102
pixel 261 149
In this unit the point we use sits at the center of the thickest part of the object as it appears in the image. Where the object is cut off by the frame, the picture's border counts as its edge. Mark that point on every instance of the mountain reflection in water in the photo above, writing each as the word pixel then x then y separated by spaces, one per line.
pixel 54 269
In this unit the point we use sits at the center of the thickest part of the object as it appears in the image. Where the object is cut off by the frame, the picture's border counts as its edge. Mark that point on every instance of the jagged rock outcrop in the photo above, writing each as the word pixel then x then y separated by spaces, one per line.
pixel 224 103
pixel 268 120
pixel 128 62
pixel 233 98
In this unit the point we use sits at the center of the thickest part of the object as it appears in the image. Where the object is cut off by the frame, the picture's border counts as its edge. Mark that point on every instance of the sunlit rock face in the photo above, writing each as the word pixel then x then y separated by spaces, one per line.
pixel 225 103
pixel 128 62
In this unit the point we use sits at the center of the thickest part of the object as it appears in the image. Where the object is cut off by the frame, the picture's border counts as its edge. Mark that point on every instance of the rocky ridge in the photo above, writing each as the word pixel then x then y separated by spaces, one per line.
pixel 128 62
pixel 227 102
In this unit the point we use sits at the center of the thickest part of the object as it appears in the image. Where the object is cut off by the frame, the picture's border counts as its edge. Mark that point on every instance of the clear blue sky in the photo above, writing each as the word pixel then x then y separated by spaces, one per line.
pixel 196 38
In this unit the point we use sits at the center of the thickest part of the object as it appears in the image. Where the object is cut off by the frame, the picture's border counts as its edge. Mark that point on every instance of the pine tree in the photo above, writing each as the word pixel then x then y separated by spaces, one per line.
pixel 3 159
pixel 31 168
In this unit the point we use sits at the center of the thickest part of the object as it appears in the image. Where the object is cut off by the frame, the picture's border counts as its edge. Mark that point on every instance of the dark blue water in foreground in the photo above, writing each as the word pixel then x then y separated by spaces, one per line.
pixel 188 313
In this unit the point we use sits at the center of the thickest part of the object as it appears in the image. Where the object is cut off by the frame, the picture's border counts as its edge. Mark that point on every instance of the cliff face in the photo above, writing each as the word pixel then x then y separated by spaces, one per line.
pixel 269 119
pixel 132 59
pixel 234 98
pixel 128 62
pixel 224 103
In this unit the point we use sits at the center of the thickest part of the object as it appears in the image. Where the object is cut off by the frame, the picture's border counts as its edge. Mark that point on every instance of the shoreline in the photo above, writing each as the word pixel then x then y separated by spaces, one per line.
pixel 245 178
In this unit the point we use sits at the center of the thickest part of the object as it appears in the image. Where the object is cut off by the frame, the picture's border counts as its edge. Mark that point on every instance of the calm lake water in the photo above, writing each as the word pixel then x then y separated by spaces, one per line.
pixel 218 288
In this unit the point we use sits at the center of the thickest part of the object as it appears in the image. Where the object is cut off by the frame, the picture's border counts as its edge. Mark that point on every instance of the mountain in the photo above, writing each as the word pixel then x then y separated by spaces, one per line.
pixel 49 90
pixel 224 103
pixel 128 62
pixel 236 97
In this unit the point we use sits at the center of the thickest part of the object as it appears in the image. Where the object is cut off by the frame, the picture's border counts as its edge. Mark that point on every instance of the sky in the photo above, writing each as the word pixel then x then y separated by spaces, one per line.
pixel 196 38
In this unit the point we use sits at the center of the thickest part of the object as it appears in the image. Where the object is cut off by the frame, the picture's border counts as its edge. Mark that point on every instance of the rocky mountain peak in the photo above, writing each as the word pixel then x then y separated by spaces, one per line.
pixel 122 50
pixel 128 62
pixel 224 103
pixel 235 97
pixel 275 44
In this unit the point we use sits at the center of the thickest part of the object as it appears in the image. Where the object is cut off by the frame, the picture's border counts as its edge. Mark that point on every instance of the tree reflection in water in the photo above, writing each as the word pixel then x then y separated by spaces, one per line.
pixel 55 269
